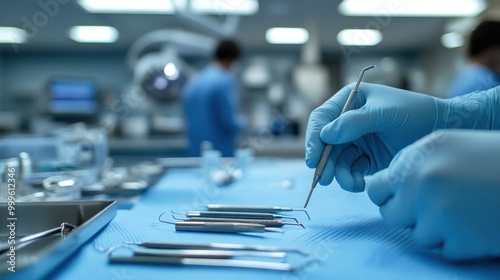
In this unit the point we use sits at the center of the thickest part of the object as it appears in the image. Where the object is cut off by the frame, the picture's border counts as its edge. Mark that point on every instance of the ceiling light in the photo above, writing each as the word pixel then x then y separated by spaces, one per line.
pixel 285 35
pixel 239 7
pixel 452 40
pixel 130 6
pixel 359 37
pixel 412 8
pixel 12 35
pixel 93 34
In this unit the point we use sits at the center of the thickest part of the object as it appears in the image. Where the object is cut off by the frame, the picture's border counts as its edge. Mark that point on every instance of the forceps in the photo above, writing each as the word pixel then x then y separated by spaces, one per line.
pixel 328 148
pixel 252 208
pixel 63 230
pixel 234 215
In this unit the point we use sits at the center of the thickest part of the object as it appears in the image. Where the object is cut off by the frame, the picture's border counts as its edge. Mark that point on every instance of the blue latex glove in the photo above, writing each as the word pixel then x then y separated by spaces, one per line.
pixel 383 121
pixel 445 186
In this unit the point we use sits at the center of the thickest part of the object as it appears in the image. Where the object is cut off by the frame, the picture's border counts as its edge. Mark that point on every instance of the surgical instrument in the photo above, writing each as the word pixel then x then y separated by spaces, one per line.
pixel 328 147
pixel 206 254
pixel 267 223
pixel 63 229
pixel 234 215
pixel 214 246
pixel 208 262
pixel 252 208
pixel 219 227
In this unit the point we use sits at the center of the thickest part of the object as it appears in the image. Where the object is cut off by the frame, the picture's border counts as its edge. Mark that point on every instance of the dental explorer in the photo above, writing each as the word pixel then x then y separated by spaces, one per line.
pixel 328 147
pixel 234 215
pixel 252 208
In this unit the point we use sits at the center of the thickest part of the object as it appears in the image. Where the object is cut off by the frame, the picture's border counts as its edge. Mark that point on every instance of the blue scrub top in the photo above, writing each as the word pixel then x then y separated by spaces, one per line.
pixel 210 109
pixel 474 78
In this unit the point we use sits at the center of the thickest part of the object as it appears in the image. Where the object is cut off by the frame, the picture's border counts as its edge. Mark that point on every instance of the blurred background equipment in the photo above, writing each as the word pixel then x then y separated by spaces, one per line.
pixel 121 65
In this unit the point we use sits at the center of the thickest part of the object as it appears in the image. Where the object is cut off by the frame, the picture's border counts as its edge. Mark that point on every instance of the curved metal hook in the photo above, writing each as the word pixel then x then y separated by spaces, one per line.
pixel 298 224
pixel 289 217
pixel 304 210
pixel 176 218
pixel 361 76
pixel 110 251
pixel 167 222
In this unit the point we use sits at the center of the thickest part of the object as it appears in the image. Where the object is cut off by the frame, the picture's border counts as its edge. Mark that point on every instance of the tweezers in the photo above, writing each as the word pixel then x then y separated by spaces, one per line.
pixel 63 230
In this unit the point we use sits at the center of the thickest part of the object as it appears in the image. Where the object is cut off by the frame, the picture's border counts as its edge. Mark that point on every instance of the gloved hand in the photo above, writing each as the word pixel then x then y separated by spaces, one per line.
pixel 445 186
pixel 383 121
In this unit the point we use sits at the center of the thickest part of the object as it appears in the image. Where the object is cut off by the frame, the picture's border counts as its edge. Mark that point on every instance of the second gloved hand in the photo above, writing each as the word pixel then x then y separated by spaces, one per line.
pixel 446 187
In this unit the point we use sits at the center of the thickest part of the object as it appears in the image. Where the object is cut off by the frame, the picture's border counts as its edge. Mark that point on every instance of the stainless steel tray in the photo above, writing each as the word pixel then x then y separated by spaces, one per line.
pixel 37 259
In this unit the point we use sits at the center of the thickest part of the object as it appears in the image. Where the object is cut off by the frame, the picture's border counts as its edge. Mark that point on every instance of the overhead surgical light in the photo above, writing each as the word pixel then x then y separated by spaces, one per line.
pixel 171 71
pixel 287 35
pixel 412 8
pixel 239 7
pixel 452 40
pixel 226 7
pixel 93 34
pixel 359 37
pixel 128 6
pixel 12 35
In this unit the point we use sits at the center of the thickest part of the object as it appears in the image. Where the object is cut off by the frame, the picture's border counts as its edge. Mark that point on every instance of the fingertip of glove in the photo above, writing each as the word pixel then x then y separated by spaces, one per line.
pixel 326 178
pixel 350 182
pixel 310 163
pixel 329 134
pixel 359 182
pixel 379 188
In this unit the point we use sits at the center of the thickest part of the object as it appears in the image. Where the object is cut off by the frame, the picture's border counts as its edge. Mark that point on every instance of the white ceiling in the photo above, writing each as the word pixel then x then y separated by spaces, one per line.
pixel 400 34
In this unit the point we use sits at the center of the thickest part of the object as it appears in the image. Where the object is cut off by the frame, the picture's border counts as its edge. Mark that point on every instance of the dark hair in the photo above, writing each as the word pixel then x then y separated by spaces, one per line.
pixel 485 36
pixel 227 50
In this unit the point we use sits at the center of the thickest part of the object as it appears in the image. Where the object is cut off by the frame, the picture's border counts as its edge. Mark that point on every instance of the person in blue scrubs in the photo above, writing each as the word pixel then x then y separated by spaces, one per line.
pixel 483 52
pixel 211 105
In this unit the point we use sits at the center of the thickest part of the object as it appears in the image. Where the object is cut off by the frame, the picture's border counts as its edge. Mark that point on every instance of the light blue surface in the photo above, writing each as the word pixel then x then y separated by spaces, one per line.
pixel 346 234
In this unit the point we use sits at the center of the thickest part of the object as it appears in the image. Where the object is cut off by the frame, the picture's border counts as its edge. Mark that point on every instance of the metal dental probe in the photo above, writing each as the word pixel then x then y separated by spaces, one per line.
pixel 252 208
pixel 209 262
pixel 267 223
pixel 234 215
pixel 210 254
pixel 328 147
pixel 220 227
pixel 218 246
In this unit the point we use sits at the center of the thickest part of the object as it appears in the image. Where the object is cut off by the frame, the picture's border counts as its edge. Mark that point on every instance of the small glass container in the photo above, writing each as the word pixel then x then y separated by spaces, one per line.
pixel 62 188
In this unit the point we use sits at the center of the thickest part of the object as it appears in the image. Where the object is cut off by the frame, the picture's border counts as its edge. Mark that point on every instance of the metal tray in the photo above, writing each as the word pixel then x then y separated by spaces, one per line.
pixel 37 259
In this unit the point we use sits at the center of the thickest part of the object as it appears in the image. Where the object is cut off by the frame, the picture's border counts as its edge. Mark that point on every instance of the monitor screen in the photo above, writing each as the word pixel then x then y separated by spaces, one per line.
pixel 73 97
